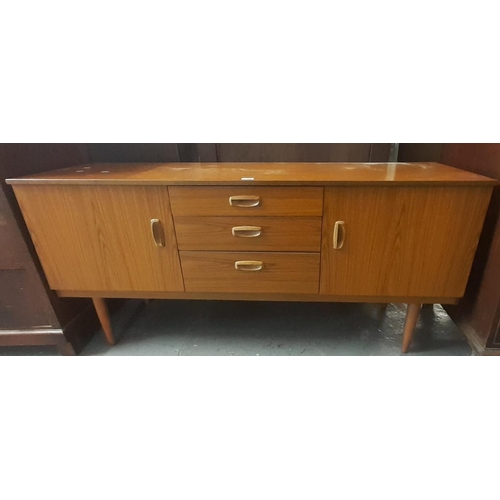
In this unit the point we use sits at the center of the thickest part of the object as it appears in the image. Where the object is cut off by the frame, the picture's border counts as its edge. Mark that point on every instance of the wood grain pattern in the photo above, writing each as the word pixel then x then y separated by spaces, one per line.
pixel 281 272
pixel 404 232
pixel 274 201
pixel 401 242
pixel 286 234
pixel 99 238
pixel 276 297
pixel 284 174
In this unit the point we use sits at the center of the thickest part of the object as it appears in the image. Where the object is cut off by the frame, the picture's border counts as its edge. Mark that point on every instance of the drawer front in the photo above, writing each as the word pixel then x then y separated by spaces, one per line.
pixel 287 234
pixel 237 200
pixel 250 272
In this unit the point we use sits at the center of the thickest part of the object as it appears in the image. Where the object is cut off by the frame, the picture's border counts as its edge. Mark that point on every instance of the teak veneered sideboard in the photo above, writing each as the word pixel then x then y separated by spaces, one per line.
pixel 348 232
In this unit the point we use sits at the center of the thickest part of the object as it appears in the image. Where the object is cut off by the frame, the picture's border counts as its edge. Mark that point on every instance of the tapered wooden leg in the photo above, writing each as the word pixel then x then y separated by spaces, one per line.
pixel 411 320
pixel 103 314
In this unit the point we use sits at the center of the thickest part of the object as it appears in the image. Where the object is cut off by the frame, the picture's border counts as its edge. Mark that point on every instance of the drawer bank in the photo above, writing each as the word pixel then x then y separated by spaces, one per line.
pixel 347 232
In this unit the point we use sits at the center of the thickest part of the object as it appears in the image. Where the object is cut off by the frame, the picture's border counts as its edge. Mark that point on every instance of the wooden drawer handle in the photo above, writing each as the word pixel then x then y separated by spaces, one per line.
pixel 157 232
pixel 338 228
pixel 248 265
pixel 244 201
pixel 246 231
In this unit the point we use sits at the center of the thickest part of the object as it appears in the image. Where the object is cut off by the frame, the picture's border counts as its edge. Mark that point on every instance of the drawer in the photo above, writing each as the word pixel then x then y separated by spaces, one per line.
pixel 288 234
pixel 250 272
pixel 242 200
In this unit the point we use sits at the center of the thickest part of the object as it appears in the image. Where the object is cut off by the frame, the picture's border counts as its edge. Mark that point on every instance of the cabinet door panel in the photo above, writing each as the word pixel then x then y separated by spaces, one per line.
pixel 99 238
pixel 401 241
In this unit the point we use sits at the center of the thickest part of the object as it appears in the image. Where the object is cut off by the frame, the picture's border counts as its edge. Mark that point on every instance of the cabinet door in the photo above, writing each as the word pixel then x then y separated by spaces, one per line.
pixel 400 241
pixel 100 238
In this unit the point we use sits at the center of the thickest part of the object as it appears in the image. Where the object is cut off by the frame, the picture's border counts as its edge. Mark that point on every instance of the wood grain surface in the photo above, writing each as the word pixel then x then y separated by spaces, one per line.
pixel 401 242
pixel 280 273
pixel 99 237
pixel 305 174
pixel 274 201
pixel 289 296
pixel 286 234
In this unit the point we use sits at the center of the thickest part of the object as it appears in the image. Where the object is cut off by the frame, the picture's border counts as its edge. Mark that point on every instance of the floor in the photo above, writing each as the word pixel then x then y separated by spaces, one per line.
pixel 217 328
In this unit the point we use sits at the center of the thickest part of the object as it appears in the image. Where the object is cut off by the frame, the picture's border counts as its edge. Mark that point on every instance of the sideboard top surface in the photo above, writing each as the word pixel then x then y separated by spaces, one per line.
pixel 257 174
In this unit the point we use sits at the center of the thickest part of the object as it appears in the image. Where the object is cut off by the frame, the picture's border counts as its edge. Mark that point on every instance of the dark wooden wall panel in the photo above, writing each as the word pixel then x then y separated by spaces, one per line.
pixel 302 152
pixel 117 152
pixel 380 152
pixel 165 152
pixel 225 152
pixel 207 152
pixel 421 152
pixel 25 159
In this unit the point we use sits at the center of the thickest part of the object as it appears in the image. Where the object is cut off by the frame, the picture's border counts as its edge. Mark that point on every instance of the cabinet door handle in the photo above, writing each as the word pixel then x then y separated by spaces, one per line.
pixel 338 228
pixel 246 231
pixel 248 265
pixel 244 201
pixel 157 232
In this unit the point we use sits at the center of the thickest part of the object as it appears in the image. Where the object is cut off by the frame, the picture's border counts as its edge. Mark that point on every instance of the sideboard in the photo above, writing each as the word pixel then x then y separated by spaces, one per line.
pixel 347 232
